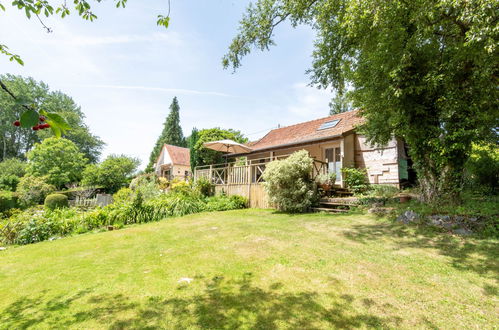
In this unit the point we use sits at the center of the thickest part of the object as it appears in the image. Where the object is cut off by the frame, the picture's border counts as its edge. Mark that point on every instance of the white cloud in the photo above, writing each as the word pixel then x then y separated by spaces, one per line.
pixel 309 102
pixel 161 89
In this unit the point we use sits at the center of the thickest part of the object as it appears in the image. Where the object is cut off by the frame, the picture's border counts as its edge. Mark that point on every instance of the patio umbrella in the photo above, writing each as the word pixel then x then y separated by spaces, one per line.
pixel 227 146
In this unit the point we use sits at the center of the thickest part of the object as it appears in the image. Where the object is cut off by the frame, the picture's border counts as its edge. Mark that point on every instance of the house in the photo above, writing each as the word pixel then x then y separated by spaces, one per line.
pixel 173 162
pixel 333 142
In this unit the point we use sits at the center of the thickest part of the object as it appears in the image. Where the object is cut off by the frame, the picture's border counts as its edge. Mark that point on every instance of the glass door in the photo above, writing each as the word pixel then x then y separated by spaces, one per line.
pixel 333 158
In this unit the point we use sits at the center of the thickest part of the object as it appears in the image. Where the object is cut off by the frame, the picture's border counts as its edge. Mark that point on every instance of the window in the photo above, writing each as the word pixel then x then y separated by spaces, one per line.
pixel 329 124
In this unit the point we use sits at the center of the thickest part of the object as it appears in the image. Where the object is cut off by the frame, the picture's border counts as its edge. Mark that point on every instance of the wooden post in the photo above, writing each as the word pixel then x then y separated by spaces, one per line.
pixel 211 174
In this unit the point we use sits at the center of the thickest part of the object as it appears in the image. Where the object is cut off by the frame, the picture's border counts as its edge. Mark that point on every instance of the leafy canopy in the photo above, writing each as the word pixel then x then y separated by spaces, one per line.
pixel 207 156
pixel 113 173
pixel 422 70
pixel 59 160
pixel 19 141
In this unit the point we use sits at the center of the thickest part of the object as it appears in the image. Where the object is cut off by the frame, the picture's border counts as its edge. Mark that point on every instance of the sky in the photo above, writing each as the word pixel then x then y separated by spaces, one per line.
pixel 123 70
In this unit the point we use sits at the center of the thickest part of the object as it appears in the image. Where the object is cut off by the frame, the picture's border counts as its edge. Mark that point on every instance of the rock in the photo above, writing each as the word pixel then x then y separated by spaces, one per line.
pixel 2 248
pixel 408 217
pixel 473 219
pixel 462 231
pixel 447 225
pixel 459 218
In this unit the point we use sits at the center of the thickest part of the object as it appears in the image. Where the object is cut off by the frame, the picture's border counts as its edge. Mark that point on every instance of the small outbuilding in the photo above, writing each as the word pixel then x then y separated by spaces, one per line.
pixel 173 162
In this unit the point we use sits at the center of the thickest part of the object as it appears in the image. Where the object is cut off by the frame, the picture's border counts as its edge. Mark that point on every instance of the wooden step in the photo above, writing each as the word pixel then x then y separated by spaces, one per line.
pixel 325 209
pixel 335 204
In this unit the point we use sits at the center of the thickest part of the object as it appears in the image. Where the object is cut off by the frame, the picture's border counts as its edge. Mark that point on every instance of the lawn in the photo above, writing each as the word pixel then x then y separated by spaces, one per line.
pixel 253 269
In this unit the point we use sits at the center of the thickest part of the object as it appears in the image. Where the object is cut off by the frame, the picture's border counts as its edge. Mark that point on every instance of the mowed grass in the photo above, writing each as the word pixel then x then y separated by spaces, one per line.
pixel 253 269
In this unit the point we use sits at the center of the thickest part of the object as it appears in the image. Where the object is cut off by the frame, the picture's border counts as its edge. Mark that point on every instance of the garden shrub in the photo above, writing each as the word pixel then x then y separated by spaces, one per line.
pixel 8 200
pixel 225 203
pixel 123 195
pixel 33 190
pixel 383 190
pixel 205 187
pixel 147 185
pixel 56 201
pixel 288 183
pixel 11 172
pixel 180 186
pixel 355 179
pixel 483 168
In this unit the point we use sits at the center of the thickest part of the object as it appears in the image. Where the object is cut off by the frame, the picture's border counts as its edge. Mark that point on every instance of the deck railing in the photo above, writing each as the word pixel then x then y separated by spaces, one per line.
pixel 245 172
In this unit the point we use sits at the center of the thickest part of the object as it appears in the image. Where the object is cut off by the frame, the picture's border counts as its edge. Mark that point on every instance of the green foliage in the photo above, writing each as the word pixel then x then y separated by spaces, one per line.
pixel 56 201
pixel 171 134
pixel 205 187
pixel 147 184
pixel 114 173
pixel 8 200
pixel 288 183
pixel 123 195
pixel 423 70
pixel 59 109
pixel 207 156
pixel 383 190
pixel 329 178
pixel 11 172
pixel 33 190
pixel 225 203
pixel 355 179
pixel 339 104
pixel 57 159
pixel 483 168
pixel 192 140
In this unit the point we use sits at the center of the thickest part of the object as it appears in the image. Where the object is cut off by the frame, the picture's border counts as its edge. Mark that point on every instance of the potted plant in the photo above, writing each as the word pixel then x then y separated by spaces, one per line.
pixel 326 181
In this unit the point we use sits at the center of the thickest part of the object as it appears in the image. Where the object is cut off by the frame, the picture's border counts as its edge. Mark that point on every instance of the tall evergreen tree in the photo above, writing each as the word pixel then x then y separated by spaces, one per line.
pixel 171 134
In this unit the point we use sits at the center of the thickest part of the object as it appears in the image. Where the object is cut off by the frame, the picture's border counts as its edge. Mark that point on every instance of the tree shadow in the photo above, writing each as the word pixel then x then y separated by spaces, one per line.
pixel 220 304
pixel 467 254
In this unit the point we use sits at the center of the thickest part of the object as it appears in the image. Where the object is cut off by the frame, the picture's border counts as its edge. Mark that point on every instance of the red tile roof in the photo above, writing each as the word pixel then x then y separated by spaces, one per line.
pixel 308 131
pixel 179 155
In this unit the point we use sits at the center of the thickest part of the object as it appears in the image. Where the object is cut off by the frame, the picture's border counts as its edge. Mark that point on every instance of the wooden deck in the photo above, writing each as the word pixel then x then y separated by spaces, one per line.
pixel 244 178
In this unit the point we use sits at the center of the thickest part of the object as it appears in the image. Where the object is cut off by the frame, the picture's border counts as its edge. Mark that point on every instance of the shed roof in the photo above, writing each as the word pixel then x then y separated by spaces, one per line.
pixel 179 155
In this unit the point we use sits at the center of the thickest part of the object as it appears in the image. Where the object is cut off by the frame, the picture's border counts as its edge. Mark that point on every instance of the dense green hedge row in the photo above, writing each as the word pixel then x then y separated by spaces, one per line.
pixel 39 224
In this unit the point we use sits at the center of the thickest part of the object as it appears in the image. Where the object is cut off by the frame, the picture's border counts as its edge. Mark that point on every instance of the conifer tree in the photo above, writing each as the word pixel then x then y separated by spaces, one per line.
pixel 171 134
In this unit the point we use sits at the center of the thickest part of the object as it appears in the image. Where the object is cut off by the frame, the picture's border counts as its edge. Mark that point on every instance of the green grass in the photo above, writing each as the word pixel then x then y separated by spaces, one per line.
pixel 253 269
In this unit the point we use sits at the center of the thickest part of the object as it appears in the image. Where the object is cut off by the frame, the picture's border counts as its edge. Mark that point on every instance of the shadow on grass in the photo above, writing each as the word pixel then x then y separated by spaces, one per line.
pixel 221 304
pixel 467 254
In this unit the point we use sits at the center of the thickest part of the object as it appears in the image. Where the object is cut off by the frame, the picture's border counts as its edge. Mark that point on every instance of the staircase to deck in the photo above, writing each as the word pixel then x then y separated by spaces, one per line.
pixel 335 204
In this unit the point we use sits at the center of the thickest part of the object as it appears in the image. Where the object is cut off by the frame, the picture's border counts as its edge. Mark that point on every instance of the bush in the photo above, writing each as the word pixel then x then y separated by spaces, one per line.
pixel 381 190
pixel 11 172
pixel 56 201
pixel 8 200
pixel 147 185
pixel 114 173
pixel 123 195
pixel 483 168
pixel 204 187
pixel 355 179
pixel 59 160
pixel 33 190
pixel 225 203
pixel 288 182
pixel 328 179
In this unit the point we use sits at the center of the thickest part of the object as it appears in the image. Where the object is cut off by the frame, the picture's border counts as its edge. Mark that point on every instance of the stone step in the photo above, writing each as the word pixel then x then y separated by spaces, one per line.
pixel 325 209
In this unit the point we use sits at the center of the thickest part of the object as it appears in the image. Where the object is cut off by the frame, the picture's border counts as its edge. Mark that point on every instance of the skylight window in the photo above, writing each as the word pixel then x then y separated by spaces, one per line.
pixel 329 124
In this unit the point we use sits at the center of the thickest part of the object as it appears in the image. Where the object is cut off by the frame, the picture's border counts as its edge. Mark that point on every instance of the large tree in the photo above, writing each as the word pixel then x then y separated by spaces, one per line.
pixel 59 160
pixel 422 70
pixel 114 173
pixel 205 156
pixel 16 141
pixel 171 134
pixel 191 143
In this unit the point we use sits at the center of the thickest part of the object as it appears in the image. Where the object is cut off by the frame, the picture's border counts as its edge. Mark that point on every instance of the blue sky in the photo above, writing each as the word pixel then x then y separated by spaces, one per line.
pixel 123 70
